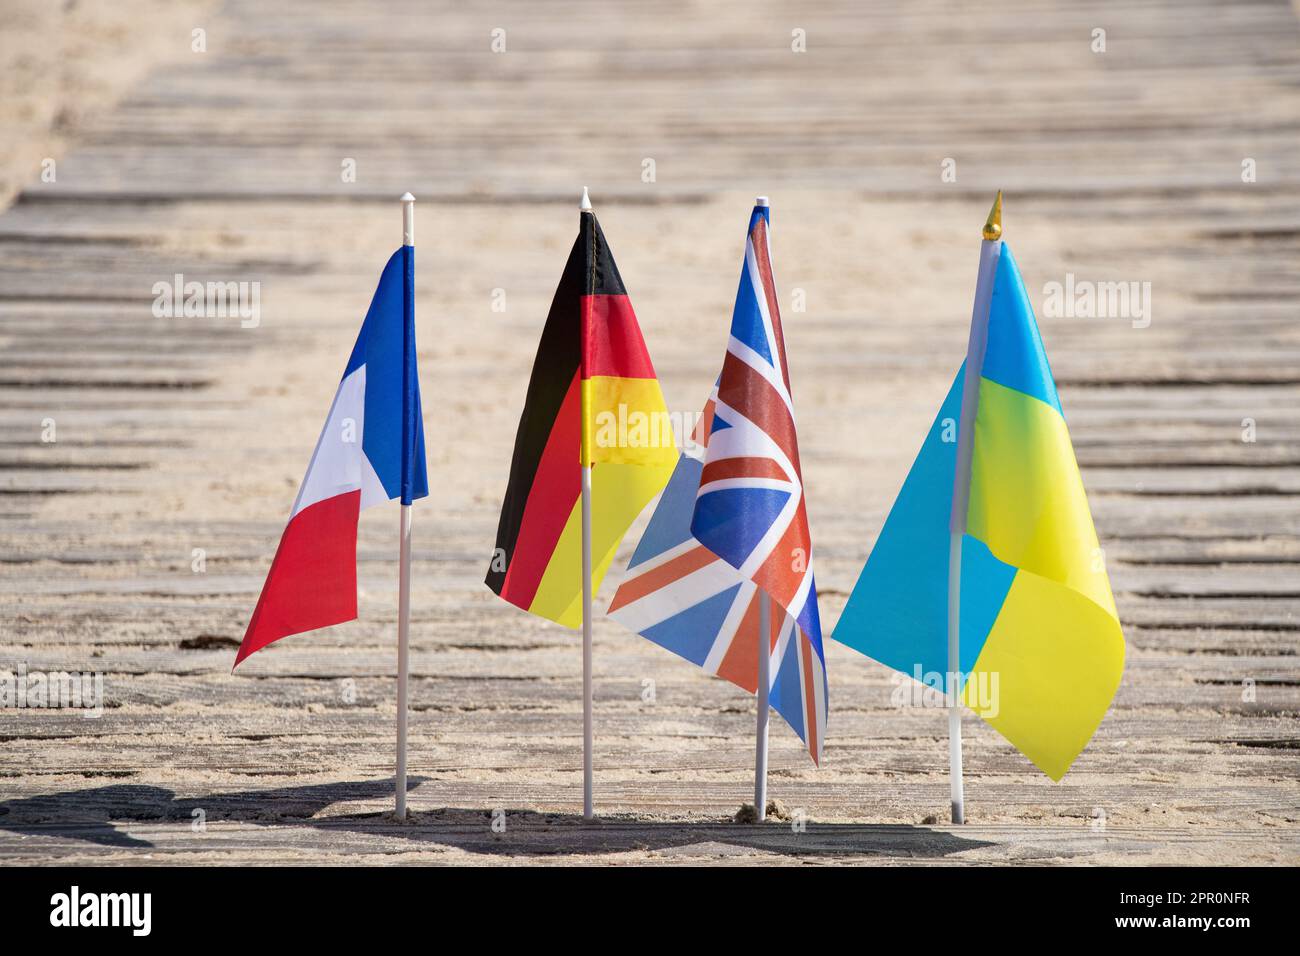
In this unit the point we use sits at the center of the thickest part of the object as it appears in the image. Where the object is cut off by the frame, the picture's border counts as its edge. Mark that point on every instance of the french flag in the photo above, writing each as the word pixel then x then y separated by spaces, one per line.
pixel 371 450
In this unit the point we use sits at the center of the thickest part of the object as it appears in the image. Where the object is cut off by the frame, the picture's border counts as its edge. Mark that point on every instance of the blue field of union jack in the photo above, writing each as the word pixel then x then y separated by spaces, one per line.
pixel 733 520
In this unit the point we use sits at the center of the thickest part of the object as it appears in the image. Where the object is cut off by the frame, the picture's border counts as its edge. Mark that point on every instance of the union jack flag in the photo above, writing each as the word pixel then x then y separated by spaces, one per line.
pixel 736 521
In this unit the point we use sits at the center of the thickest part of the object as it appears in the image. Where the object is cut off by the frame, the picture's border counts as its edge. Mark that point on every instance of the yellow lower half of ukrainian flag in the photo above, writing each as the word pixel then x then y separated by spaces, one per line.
pixel 1027 501
pixel 1055 651
pixel 1055 659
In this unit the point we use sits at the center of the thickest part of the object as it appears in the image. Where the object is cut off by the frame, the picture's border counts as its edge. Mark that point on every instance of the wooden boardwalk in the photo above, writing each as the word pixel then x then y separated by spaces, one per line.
pixel 177 434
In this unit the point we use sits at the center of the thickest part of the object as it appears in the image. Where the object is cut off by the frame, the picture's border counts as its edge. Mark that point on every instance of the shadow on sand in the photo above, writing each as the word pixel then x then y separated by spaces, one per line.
pixel 96 816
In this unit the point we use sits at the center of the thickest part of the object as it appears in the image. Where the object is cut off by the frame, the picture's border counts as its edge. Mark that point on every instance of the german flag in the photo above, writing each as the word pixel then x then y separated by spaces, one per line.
pixel 593 398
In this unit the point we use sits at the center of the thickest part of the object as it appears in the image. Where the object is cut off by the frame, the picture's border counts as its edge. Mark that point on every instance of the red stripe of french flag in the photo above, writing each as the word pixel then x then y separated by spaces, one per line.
pixel 313 578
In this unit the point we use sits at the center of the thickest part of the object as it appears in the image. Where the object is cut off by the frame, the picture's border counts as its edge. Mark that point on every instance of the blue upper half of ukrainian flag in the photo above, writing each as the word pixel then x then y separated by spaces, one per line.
pixel 1038 625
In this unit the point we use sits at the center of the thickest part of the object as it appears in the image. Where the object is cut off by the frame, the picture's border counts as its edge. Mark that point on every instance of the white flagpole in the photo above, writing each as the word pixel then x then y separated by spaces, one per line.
pixel 404 581
pixel 764 688
pixel 990 251
pixel 764 683
pixel 588 809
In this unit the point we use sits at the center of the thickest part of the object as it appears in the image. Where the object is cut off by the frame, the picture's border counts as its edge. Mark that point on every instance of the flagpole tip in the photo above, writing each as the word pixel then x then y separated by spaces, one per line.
pixel 408 219
pixel 993 225
pixel 761 201
pixel 586 201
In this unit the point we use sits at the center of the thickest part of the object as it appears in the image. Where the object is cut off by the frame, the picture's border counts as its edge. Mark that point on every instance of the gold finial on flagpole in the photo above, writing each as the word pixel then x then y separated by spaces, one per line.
pixel 993 225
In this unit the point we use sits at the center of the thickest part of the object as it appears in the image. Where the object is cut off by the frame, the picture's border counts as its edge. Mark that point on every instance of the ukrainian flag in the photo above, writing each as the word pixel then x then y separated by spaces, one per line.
pixel 1038 625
